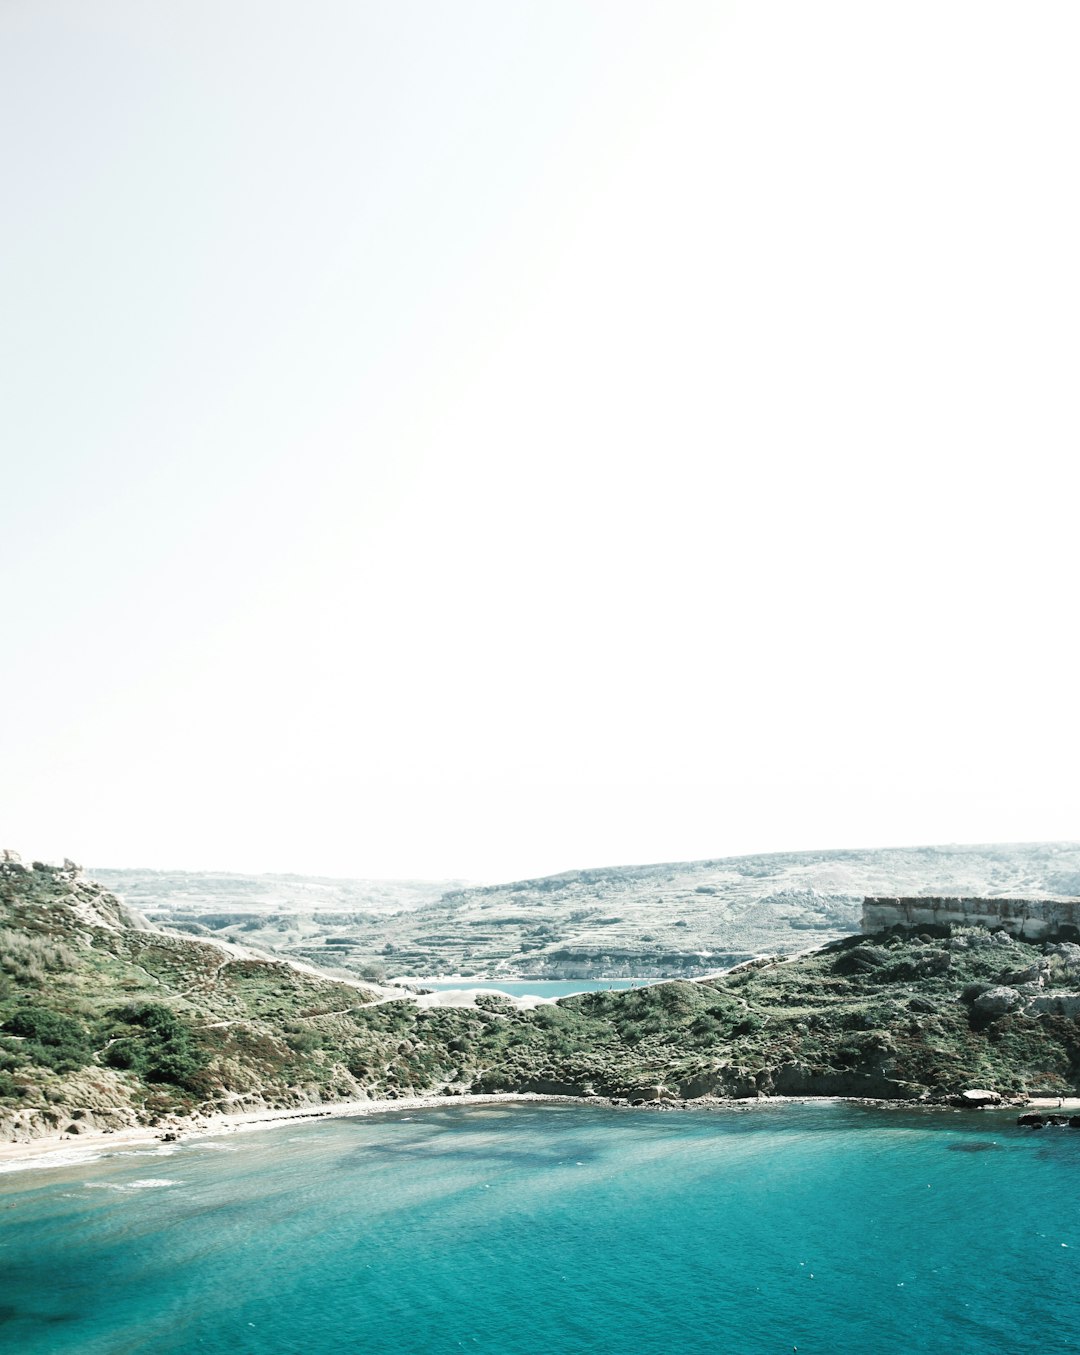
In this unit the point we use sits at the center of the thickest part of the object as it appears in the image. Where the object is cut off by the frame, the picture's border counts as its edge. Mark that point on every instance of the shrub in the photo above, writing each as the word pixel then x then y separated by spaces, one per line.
pixel 124 1054
pixel 497 1003
pixel 706 1027
pixel 185 1068
pixel 30 958
pixel 163 1049
pixel 304 1041
pixel 51 1039
pixel 154 1016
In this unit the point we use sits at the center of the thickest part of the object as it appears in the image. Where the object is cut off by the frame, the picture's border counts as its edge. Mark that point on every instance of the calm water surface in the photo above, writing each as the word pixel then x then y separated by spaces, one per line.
pixel 529 1229
pixel 536 987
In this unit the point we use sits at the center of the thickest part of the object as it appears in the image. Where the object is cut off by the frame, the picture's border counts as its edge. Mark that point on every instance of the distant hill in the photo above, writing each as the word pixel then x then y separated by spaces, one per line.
pixel 682 919
pixel 280 914
pixel 178 891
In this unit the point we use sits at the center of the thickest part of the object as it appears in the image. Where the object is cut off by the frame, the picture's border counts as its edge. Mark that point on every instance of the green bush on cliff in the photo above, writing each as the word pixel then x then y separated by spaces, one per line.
pixel 162 1048
pixel 50 1038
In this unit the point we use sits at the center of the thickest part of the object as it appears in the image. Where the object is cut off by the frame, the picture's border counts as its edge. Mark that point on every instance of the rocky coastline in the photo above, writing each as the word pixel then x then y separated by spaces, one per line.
pixel 111 1027
pixel 56 1149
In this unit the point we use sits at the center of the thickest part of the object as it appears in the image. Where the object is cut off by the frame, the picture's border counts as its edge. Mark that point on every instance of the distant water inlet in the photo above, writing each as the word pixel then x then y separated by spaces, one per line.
pixel 532 1229
pixel 551 988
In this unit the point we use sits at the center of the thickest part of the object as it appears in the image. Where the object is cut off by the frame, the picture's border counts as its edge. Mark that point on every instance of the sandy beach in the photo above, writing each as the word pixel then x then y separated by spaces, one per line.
pixel 55 1150
pixel 58 1150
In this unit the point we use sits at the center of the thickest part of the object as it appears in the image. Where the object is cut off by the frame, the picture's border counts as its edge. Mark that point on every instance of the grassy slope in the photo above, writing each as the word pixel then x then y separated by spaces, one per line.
pixel 128 1023
pixel 102 1024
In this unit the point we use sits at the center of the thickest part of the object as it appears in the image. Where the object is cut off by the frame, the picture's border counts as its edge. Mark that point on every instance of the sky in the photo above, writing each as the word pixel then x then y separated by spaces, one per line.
pixel 491 439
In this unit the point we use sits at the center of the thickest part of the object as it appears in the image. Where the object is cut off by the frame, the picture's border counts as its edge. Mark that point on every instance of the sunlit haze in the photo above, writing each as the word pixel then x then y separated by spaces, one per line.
pixel 494 438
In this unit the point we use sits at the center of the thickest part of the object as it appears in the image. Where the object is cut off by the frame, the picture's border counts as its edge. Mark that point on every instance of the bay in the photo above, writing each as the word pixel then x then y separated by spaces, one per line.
pixel 532 1228
pixel 550 988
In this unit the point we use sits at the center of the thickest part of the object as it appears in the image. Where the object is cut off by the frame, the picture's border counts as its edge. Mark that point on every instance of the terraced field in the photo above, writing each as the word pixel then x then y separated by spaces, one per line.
pixel 670 920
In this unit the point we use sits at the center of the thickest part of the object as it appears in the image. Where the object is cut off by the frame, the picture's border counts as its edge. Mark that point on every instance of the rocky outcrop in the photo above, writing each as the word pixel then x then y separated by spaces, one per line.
pixel 1027 919
pixel 96 1099
pixel 998 1001
pixel 552 1086
pixel 975 1098
pixel 1056 1004
pixel 796 1079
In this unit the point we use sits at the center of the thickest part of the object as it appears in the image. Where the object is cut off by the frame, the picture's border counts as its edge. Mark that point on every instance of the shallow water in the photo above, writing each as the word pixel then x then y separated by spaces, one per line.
pixel 529 1228
pixel 535 987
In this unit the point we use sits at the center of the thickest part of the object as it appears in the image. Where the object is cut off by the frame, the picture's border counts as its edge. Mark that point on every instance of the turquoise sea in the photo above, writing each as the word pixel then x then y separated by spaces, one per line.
pixel 529 1229
pixel 535 987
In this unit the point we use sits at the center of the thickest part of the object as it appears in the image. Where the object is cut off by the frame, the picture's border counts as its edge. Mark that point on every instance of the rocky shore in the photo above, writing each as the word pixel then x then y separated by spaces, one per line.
pixel 57 1150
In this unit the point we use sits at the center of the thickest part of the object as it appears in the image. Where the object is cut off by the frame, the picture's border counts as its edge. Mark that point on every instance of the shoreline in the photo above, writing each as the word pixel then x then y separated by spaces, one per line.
pixel 65 1150
pixel 56 1150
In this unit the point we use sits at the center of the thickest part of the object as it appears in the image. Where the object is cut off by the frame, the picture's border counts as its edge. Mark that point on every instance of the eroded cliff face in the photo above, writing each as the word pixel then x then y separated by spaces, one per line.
pixel 1027 919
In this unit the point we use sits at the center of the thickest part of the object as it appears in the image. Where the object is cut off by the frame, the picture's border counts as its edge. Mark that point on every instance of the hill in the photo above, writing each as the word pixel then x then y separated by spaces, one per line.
pixel 672 920
pixel 106 1021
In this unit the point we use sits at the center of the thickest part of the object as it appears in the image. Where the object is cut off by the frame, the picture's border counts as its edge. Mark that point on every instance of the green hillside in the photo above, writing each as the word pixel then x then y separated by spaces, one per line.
pixel 106 1022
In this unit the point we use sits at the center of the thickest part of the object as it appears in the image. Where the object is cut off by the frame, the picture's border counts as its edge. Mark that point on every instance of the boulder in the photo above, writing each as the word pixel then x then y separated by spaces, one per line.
pixel 1058 1004
pixel 976 1097
pixel 862 959
pixel 707 1083
pixel 1034 973
pixel 554 1086
pixel 933 963
pixel 998 1001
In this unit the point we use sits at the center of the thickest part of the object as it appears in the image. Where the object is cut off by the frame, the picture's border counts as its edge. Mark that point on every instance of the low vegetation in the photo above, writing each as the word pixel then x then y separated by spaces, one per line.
pixel 104 1023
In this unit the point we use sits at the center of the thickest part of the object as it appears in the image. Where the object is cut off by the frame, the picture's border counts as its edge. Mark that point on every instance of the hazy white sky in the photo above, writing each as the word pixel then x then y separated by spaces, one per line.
pixel 492 438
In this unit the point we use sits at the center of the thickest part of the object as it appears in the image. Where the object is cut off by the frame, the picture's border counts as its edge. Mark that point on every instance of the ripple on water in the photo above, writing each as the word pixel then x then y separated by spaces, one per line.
pixel 828 1228
pixel 146 1183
